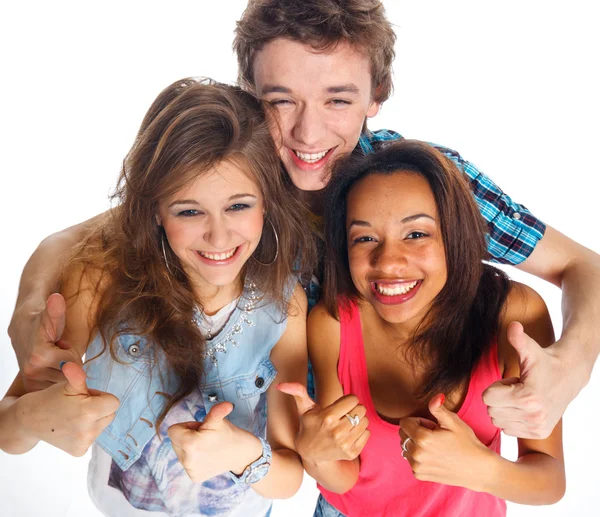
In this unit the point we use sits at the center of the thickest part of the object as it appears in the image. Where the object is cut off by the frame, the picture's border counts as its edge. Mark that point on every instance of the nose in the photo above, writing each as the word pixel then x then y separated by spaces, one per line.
pixel 218 233
pixel 390 259
pixel 309 127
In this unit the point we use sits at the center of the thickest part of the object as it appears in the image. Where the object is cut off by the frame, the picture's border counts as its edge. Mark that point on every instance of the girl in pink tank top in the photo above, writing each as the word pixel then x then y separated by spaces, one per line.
pixel 412 329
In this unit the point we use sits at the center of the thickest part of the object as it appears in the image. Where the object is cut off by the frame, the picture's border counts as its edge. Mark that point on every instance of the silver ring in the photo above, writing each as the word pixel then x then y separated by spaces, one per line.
pixel 404 443
pixel 354 420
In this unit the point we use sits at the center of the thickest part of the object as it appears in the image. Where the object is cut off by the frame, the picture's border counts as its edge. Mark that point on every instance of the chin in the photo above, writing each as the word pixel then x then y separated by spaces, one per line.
pixel 308 184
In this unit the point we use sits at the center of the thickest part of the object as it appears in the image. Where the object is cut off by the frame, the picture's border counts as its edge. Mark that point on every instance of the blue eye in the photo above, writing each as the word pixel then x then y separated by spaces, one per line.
pixel 416 235
pixel 188 213
pixel 238 207
pixel 340 102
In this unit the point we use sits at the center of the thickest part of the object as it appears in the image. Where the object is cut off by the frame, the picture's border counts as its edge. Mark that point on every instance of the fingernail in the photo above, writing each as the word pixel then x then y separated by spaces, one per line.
pixel 62 363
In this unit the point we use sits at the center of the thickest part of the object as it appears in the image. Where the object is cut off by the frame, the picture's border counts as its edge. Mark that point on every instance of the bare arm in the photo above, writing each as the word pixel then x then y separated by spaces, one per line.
pixel 290 358
pixel 538 476
pixel 66 414
pixel 328 443
pixel 576 270
pixel 449 452
pixel 555 375
pixel 38 319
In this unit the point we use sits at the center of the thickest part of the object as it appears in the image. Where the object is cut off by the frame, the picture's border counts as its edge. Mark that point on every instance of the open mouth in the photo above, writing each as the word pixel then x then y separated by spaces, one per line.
pixel 396 289
pixel 221 257
pixel 395 292
pixel 311 159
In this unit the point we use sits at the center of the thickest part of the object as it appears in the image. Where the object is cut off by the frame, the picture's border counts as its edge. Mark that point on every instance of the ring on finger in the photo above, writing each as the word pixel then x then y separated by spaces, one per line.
pixel 354 420
pixel 404 445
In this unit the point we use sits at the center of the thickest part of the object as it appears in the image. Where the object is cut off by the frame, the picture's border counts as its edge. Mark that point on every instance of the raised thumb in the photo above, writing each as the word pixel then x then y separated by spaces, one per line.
pixel 298 391
pixel 217 414
pixel 525 346
pixel 75 379
pixel 443 415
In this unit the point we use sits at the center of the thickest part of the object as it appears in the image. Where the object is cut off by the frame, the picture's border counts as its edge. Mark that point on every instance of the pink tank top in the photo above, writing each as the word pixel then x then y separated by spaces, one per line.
pixel 386 485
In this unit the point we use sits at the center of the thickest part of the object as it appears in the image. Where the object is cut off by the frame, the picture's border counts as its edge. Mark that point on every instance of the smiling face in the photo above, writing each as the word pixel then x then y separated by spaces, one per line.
pixel 321 100
pixel 213 225
pixel 395 246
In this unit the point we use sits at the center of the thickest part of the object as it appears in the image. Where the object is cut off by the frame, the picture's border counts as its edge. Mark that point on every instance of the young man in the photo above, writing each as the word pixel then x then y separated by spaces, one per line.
pixel 325 66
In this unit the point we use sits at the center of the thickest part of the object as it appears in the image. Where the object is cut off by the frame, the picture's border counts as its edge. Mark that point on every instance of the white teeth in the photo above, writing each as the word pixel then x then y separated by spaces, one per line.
pixel 218 256
pixel 310 158
pixel 396 289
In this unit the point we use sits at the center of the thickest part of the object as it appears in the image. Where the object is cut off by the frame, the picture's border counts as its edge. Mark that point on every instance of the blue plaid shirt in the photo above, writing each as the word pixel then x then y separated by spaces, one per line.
pixel 513 230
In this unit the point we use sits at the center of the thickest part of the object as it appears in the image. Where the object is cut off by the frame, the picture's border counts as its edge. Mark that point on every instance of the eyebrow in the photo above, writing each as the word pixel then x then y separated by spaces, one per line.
pixel 342 88
pixel 410 218
pixel 194 202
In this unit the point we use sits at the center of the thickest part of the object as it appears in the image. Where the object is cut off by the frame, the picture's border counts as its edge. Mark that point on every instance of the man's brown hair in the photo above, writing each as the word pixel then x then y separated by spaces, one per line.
pixel 322 24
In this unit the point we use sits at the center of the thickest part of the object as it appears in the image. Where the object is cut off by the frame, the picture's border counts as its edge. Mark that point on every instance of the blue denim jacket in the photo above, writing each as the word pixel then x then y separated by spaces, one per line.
pixel 237 369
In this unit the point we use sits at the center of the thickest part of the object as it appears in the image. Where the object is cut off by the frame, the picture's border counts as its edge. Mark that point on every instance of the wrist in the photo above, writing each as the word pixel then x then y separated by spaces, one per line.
pixel 490 473
pixel 16 432
pixel 251 449
pixel 576 365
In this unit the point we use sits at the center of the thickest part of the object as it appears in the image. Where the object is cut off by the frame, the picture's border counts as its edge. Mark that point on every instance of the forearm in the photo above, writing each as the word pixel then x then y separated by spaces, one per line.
pixel 535 478
pixel 14 438
pixel 579 345
pixel 284 477
pixel 335 476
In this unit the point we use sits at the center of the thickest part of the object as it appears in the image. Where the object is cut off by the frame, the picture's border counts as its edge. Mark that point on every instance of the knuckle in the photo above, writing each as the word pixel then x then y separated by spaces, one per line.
pixel 30 371
pixel 337 435
pixel 329 420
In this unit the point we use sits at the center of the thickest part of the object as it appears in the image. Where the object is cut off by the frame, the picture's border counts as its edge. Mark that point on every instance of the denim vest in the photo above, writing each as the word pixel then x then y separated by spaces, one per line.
pixel 237 369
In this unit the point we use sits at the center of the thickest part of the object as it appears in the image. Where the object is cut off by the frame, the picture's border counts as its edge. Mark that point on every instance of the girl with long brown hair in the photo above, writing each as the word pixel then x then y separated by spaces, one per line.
pixel 185 302
pixel 413 328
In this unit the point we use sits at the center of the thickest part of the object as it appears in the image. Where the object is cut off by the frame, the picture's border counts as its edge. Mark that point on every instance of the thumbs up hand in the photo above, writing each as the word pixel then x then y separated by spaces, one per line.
pixel 209 448
pixel 447 452
pixel 68 415
pixel 327 434
pixel 530 407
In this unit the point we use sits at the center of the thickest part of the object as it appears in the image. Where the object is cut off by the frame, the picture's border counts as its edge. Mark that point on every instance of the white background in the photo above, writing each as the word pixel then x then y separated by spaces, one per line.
pixel 513 86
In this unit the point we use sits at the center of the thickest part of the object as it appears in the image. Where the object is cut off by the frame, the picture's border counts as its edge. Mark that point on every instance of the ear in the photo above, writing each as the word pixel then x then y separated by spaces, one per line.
pixel 373 109
pixel 158 219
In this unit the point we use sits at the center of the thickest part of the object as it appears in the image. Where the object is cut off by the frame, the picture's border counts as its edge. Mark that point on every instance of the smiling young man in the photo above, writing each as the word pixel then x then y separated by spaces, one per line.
pixel 325 67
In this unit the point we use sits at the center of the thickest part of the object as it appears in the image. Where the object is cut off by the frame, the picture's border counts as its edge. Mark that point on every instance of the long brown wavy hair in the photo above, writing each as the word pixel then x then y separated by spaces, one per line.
pixel 463 319
pixel 192 126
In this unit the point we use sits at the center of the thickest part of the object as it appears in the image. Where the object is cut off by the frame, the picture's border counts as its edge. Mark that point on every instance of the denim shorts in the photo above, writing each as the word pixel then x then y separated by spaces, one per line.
pixel 324 509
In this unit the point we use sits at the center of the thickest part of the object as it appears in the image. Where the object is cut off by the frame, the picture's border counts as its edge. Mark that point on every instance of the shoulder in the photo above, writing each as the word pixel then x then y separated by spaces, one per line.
pixel 320 320
pixel 323 335
pixel 525 306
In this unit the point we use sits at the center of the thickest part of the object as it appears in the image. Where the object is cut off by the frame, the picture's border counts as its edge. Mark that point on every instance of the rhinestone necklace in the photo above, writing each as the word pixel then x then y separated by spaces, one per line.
pixel 223 340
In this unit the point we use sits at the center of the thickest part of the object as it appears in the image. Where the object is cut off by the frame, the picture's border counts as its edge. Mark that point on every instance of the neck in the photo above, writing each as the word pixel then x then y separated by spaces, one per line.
pixel 400 334
pixel 314 200
pixel 213 298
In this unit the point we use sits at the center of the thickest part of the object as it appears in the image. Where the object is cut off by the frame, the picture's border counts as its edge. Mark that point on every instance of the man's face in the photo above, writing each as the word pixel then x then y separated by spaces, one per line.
pixel 321 99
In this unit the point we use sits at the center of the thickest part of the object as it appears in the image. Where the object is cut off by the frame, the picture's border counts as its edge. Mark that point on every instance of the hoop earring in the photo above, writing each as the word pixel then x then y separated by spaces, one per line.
pixel 276 248
pixel 162 244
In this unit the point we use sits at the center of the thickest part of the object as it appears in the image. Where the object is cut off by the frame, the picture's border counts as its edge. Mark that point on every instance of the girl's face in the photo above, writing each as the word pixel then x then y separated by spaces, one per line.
pixel 214 224
pixel 395 246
